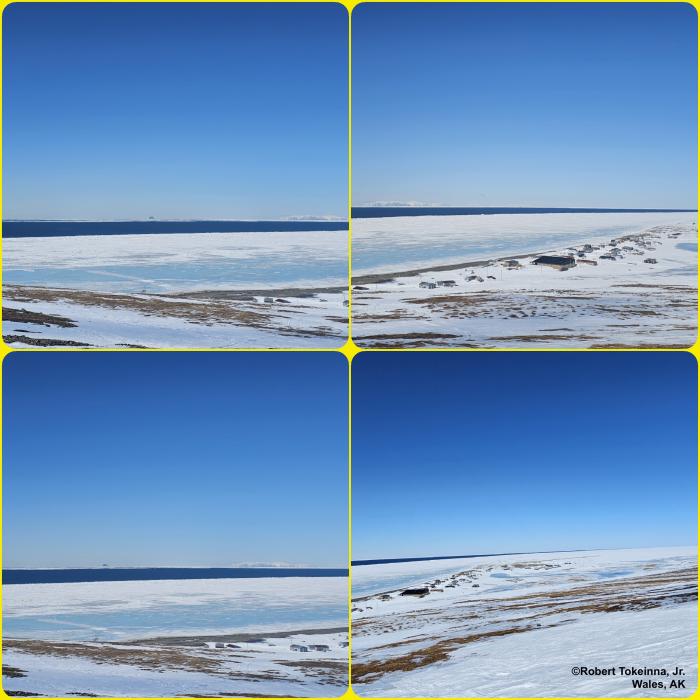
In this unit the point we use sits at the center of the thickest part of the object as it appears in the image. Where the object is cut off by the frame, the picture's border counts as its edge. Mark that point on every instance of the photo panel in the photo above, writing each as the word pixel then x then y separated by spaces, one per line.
pixel 175 524
pixel 175 175
pixel 524 175
pixel 524 525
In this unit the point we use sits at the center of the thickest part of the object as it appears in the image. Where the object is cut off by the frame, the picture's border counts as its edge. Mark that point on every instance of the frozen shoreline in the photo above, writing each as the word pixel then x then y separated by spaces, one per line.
pixel 621 302
pixel 178 262
pixel 119 610
pixel 218 290
pixel 177 636
pixel 515 625
pixel 386 246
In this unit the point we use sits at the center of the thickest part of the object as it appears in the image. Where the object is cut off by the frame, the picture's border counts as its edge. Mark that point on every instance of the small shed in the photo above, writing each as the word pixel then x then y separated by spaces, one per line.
pixel 427 285
pixel 512 265
pixel 651 261
pixel 299 647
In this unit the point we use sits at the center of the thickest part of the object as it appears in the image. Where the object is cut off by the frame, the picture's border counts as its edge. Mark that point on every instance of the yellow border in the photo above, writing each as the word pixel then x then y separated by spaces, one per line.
pixel 350 349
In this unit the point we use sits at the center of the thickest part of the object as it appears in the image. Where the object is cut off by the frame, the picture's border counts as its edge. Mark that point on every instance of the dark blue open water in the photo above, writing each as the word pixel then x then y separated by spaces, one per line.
pixel 44 229
pixel 365 562
pixel 156 574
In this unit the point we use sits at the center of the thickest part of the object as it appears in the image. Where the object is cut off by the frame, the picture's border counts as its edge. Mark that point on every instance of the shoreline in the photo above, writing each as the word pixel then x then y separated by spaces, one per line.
pixel 633 290
pixel 386 277
pixel 188 640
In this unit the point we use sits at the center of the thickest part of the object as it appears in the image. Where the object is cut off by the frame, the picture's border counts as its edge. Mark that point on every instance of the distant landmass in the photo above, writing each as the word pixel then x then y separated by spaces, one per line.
pixel 384 211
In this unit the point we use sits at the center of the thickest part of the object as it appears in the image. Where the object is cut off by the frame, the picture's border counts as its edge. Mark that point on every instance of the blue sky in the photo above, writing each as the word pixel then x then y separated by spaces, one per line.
pixel 174 110
pixel 561 104
pixel 468 453
pixel 150 459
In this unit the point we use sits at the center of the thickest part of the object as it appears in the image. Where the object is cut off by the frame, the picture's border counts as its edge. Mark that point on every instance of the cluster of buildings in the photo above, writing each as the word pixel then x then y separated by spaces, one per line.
pixel 314 647
pixel 615 249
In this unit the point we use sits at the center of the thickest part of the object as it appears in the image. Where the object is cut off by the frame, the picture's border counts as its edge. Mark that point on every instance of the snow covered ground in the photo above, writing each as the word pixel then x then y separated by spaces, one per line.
pixel 62 317
pixel 177 637
pixel 153 668
pixel 516 625
pixel 623 301
pixel 177 290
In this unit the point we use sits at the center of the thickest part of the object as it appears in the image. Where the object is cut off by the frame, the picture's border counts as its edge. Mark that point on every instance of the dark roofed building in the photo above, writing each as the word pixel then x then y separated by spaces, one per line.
pixel 559 262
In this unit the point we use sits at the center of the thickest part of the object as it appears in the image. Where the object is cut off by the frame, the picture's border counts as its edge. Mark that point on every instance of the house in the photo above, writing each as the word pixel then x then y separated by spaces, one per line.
pixel 299 647
pixel 588 248
pixel 558 262
pixel 269 300
pixel 416 591
pixel 446 283
pixel 512 265
pixel 219 645
pixel 608 257
pixel 427 285
pixel 475 278
pixel 651 261
pixel 319 647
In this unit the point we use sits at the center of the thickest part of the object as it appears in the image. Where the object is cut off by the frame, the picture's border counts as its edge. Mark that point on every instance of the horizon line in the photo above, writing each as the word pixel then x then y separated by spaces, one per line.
pixel 520 206
pixel 401 560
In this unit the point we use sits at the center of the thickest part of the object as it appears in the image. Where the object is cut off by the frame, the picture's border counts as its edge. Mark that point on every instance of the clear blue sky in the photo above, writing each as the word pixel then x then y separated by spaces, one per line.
pixel 174 110
pixel 561 104
pixel 174 459
pixel 461 453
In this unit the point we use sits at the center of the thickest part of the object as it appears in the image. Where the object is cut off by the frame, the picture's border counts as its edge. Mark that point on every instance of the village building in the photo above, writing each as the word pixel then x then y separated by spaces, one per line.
pixel 427 285
pixel 446 283
pixel 299 647
pixel 416 591
pixel 558 262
